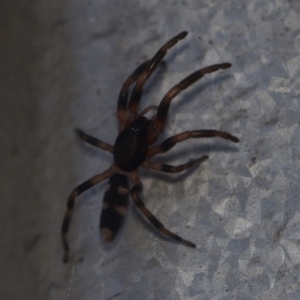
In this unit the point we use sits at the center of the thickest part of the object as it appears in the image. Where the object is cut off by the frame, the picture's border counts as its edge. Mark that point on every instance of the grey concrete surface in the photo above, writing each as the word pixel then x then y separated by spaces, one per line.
pixel 62 64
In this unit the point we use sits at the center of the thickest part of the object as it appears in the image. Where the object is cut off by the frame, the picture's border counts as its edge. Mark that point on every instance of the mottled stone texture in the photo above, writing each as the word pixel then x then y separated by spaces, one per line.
pixel 62 64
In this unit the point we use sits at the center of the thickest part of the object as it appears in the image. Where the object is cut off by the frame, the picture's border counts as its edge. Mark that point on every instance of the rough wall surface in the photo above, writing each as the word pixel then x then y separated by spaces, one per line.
pixel 62 65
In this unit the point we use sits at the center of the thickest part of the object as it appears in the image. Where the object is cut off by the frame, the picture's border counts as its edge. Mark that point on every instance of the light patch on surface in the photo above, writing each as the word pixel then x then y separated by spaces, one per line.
pixel 187 276
pixel 241 226
pixel 286 134
pixel 257 168
pixel 280 85
pixel 293 228
pixel 202 190
pixel 193 218
pixel 293 66
pixel 211 56
pixel 272 282
pixel 238 76
pixel 246 180
pixel 291 238
pixel 266 99
pixel 220 209
pixel 275 258
pixel 293 250
pixel 245 267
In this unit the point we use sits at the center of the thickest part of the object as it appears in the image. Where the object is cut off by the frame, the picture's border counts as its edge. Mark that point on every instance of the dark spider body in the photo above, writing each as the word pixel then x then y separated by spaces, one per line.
pixel 133 148
pixel 131 145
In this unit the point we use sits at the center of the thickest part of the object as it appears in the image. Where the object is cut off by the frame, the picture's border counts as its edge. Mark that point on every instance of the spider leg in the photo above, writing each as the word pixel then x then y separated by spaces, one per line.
pixel 157 58
pixel 163 108
pixel 123 96
pixel 93 141
pixel 173 169
pixel 158 225
pixel 172 141
pixel 70 205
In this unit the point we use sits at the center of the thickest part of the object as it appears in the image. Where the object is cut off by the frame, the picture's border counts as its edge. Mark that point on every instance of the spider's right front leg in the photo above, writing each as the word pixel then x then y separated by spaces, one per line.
pixel 172 141
pixel 137 188
pixel 71 201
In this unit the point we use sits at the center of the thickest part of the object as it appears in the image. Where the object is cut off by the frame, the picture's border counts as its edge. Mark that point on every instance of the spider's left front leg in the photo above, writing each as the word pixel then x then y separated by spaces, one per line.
pixel 93 141
pixel 71 201
pixel 137 188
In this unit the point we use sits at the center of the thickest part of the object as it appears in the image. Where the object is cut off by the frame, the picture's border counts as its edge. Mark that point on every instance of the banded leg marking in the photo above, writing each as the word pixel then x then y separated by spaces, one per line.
pixel 173 169
pixel 172 141
pixel 123 96
pixel 163 108
pixel 70 206
pixel 157 224
pixel 157 58
pixel 93 141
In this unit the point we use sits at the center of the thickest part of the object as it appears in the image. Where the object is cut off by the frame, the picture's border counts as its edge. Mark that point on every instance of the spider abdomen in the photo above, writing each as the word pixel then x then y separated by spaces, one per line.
pixel 114 207
pixel 131 145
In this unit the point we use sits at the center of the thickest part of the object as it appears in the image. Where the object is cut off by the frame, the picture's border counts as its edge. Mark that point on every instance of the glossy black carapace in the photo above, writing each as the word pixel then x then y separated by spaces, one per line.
pixel 131 145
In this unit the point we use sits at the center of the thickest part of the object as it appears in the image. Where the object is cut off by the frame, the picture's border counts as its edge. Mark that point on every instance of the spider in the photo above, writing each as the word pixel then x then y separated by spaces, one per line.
pixel 133 148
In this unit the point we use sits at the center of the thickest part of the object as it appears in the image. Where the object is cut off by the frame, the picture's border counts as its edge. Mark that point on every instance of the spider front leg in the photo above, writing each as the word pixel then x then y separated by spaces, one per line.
pixel 151 66
pixel 70 205
pixel 172 141
pixel 123 96
pixel 160 119
pixel 93 141
pixel 173 169
pixel 137 188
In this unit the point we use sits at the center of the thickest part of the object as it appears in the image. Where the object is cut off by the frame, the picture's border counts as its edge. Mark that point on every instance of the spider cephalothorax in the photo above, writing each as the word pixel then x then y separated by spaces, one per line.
pixel 133 149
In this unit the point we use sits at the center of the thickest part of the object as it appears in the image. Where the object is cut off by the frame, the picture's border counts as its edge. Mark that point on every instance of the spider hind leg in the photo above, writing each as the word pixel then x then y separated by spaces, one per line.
pixel 157 224
pixel 70 206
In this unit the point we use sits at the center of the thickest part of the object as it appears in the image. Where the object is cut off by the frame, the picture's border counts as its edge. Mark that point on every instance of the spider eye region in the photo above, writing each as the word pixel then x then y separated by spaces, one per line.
pixel 131 145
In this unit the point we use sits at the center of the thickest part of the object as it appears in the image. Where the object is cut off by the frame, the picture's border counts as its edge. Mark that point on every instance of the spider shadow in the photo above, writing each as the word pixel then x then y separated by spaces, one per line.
pixel 190 95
